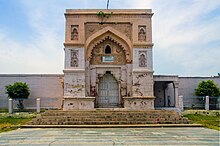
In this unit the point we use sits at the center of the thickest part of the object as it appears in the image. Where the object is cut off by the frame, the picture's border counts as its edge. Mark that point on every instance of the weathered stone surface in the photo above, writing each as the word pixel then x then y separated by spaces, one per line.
pixel 139 103
pixel 74 83
pixel 108 49
pixel 78 103
pixel 109 117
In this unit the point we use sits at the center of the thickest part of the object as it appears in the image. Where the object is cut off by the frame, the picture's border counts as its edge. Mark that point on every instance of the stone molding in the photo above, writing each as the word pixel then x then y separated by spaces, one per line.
pixel 73 70
pixel 86 98
pixel 115 11
pixel 142 70
pixel 140 97
pixel 73 45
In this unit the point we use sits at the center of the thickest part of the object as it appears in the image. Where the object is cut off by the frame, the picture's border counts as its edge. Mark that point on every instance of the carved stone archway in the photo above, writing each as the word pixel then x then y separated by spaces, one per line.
pixel 110 49
pixel 112 34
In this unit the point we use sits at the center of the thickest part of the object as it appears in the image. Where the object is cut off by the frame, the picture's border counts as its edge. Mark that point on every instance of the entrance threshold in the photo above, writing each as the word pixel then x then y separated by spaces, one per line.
pixel 111 109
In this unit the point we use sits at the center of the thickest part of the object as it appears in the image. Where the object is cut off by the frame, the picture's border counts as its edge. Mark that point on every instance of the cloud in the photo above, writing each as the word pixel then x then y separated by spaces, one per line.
pixel 186 35
pixel 183 34
pixel 43 52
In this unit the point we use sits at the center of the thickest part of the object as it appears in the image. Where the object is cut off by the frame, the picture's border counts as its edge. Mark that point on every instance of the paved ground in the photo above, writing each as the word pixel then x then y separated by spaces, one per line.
pixel 110 136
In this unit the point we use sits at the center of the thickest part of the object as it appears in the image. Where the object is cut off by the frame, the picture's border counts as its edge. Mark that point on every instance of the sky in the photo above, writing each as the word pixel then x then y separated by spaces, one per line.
pixel 186 34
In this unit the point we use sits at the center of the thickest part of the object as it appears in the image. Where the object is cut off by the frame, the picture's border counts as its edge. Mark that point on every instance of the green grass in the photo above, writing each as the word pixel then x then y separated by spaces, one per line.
pixel 13 121
pixel 212 122
pixel 3 110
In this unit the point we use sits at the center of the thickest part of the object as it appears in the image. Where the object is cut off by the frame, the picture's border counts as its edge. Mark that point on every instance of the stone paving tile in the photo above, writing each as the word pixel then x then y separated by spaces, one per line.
pixel 110 136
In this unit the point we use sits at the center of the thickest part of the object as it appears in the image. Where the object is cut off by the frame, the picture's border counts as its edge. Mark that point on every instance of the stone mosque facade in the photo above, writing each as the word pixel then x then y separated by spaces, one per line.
pixel 108 59
pixel 108 64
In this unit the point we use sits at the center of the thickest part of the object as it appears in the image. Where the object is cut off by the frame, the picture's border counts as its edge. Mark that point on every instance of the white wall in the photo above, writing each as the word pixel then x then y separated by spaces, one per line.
pixel 187 86
pixel 49 87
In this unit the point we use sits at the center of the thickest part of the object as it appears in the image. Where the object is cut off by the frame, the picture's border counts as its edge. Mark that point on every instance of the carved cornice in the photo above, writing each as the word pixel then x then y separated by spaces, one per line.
pixel 74 70
pixel 114 11
pixel 73 45
pixel 143 45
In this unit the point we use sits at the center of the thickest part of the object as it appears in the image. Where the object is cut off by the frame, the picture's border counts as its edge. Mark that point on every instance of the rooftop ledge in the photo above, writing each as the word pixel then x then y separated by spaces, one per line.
pixel 115 11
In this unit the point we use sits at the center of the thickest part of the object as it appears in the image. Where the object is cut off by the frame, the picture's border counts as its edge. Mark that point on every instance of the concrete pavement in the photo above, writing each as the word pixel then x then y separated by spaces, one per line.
pixel 110 136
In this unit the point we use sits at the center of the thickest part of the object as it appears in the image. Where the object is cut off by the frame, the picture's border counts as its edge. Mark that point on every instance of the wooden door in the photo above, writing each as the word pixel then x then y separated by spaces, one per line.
pixel 108 95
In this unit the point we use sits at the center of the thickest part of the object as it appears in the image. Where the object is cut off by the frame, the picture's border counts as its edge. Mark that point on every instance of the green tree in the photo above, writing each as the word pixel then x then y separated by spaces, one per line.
pixel 18 91
pixel 207 88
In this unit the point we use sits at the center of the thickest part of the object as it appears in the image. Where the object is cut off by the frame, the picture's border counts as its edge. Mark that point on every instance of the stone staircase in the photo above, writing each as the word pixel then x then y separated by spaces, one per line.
pixel 108 117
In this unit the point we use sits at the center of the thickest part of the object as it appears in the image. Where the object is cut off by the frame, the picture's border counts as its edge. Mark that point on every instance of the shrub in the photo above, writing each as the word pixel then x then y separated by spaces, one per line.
pixel 18 91
pixel 207 88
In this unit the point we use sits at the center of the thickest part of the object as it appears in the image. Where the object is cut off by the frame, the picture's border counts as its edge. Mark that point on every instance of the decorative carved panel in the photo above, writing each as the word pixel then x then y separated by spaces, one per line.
pixel 115 56
pixel 124 28
pixel 74 58
pixel 74 32
pixel 142 33
pixel 142 58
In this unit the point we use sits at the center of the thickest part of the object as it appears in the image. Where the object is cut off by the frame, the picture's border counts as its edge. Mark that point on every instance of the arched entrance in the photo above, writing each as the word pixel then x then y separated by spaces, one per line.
pixel 108 63
pixel 108 92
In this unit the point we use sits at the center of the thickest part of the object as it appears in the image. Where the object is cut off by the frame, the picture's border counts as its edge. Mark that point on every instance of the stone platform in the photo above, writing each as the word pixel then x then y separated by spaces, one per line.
pixel 109 118
pixel 110 136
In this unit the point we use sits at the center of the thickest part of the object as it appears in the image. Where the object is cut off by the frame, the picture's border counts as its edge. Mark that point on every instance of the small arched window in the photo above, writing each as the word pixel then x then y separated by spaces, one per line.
pixel 108 50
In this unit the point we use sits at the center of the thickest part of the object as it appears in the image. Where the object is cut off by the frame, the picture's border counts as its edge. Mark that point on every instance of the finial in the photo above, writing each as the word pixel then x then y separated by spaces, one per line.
pixel 107 4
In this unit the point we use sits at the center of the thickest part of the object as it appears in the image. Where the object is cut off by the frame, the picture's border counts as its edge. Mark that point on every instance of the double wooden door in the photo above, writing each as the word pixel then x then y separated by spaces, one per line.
pixel 108 94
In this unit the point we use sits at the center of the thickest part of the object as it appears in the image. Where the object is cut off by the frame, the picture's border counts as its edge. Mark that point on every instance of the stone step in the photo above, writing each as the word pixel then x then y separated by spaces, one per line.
pixel 113 116
pixel 109 119
pixel 59 113
pixel 106 117
pixel 48 122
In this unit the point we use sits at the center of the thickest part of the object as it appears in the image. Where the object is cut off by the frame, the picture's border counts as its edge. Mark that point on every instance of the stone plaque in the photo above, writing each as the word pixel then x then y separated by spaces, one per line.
pixel 107 58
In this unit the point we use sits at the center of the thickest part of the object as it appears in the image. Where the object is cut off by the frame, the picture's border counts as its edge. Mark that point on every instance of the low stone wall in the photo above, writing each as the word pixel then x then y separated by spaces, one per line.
pixel 48 87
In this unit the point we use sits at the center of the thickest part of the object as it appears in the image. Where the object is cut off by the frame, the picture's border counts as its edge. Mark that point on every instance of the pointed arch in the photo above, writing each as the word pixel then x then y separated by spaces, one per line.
pixel 115 36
